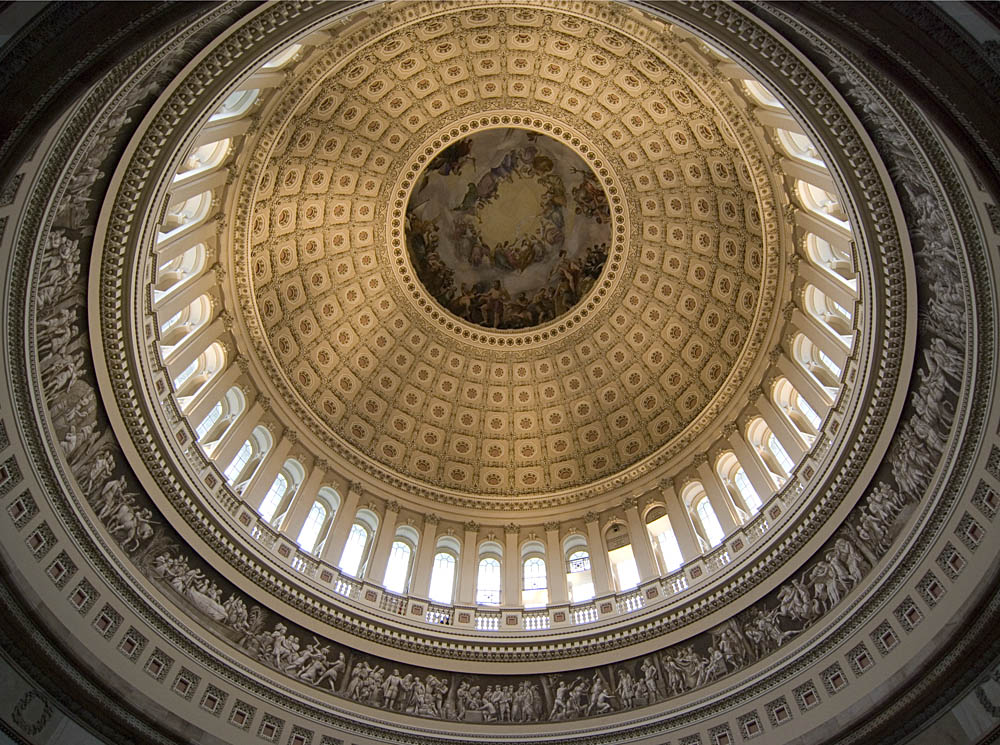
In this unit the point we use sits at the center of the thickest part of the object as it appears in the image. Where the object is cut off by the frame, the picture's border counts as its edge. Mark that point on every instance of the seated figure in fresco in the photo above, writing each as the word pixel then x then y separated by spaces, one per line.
pixel 494 302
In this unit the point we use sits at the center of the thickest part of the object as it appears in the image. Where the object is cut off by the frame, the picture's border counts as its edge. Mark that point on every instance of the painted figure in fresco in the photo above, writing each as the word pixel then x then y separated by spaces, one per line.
pixel 560 703
pixel 589 197
pixel 651 676
pixel 332 673
pixel 450 160
pixel 493 305
pixel 102 468
pixel 390 689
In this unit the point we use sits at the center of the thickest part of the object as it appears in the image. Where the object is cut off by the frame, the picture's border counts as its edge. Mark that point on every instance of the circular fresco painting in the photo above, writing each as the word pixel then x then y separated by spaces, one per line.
pixel 508 228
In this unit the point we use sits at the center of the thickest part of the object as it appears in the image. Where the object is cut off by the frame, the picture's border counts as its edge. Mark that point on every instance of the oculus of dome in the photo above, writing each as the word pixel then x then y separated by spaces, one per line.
pixel 508 228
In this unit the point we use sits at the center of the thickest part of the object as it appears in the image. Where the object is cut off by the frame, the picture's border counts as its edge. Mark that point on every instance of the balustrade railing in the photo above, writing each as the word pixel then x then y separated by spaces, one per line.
pixel 536 621
pixel 633 601
pixel 717 559
pixel 347 588
pixel 263 534
pixel 585 614
pixel 756 528
pixel 305 564
pixel 440 615
pixel 395 604
pixel 675 583
pixel 486 621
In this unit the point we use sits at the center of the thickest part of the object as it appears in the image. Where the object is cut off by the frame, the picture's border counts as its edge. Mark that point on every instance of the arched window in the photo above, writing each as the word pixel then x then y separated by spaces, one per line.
pixel 762 95
pixel 397 571
pixel 312 526
pixel 234 469
pixel 709 522
pixel 249 457
pixel 181 325
pixel 742 483
pixel 235 105
pixel 183 375
pixel 735 478
pixel 534 574
pixel 209 421
pixel 203 158
pixel 274 497
pixel 442 589
pixel 829 312
pixel 579 576
pixel 817 363
pixel 275 503
pixel 354 558
pixel 666 550
pixel 775 462
pixel 579 561
pixel 828 363
pixel 834 258
pixel 171 321
pixel 185 215
pixel 796 410
pixel 196 376
pixel 534 579
pixel 212 428
pixel 170 275
pixel 624 570
pixel 282 58
pixel 799 146
pixel 488 581
pixel 354 550
pixel 786 463
pixel 822 203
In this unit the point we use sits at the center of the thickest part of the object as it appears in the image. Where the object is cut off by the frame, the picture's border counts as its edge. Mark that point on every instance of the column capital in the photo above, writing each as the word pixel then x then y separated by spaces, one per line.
pixel 729 430
pixel 392 506
pixel 511 528
pixel 472 527
pixel 591 517
pixel 551 526
pixel 630 503
pixel 355 487
pixel 264 401
pixel 431 519
pixel 699 459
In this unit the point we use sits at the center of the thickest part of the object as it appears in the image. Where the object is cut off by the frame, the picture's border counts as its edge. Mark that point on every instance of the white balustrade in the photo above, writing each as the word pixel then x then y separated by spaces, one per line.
pixel 536 621
pixel 585 614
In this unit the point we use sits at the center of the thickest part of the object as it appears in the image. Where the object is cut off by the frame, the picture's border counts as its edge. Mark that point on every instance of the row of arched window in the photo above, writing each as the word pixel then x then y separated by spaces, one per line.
pixel 232 432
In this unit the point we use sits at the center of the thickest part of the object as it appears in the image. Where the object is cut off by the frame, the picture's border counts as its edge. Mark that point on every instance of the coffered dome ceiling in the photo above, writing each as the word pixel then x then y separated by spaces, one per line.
pixel 613 370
